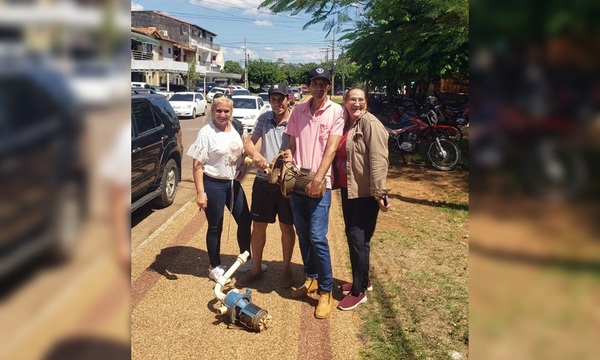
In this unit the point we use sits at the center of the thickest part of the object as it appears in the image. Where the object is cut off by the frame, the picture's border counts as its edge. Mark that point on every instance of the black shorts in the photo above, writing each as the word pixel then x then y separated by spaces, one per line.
pixel 267 202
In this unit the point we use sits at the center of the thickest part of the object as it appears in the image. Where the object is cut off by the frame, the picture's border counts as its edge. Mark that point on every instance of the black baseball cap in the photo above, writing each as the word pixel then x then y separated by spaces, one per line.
pixel 318 72
pixel 279 89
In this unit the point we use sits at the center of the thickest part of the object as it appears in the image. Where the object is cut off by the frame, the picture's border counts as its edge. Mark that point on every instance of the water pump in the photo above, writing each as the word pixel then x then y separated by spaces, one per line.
pixel 239 305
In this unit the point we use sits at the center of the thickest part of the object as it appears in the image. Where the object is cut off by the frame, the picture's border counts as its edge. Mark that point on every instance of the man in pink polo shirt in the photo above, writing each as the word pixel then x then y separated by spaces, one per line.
pixel 315 128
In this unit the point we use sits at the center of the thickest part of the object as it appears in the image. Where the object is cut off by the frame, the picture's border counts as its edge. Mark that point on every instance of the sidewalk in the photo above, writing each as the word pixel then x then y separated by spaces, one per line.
pixel 174 306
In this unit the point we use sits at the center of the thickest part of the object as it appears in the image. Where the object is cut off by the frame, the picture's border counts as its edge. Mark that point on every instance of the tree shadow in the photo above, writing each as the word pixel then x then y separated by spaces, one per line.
pixel 441 204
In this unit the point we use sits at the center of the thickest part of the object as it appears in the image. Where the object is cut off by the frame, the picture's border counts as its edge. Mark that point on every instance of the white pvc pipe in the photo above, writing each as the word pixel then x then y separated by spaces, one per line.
pixel 222 310
pixel 242 258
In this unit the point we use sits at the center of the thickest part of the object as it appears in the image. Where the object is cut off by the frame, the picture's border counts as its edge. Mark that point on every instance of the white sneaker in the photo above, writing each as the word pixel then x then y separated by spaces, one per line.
pixel 247 266
pixel 216 272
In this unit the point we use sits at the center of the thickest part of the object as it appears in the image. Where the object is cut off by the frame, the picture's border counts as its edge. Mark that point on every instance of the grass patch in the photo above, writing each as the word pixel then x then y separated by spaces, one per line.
pixel 419 306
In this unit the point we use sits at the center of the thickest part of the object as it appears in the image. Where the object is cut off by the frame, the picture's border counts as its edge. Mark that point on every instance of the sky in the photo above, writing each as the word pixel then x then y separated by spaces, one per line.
pixel 269 36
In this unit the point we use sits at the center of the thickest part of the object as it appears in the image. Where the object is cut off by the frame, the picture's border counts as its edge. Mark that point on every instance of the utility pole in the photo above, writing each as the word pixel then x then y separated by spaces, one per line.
pixel 343 65
pixel 245 64
pixel 333 65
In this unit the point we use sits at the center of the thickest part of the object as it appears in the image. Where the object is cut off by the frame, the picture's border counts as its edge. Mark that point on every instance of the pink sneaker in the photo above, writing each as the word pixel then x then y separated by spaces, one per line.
pixel 345 288
pixel 350 301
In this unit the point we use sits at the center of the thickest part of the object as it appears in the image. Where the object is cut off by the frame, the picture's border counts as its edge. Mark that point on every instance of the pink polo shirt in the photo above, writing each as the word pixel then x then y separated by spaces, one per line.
pixel 312 131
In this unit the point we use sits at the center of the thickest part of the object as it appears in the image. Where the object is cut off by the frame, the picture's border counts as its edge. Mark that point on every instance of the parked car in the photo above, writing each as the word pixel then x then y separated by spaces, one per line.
pixel 265 97
pixel 200 86
pixel 175 88
pixel 247 109
pixel 297 94
pixel 156 151
pixel 43 197
pixel 292 97
pixel 240 92
pixel 223 90
pixel 304 89
pixel 188 104
pixel 162 90
pixel 139 84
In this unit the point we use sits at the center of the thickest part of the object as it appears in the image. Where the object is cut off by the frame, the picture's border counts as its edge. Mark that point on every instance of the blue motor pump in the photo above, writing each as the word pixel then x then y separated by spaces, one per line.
pixel 242 309
pixel 239 305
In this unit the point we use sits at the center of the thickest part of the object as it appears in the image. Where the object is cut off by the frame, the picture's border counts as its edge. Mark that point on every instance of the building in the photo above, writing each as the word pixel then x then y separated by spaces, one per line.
pixel 163 46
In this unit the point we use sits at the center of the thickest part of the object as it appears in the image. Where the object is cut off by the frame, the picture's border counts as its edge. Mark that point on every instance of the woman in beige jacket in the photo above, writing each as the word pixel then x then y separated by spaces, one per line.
pixel 360 168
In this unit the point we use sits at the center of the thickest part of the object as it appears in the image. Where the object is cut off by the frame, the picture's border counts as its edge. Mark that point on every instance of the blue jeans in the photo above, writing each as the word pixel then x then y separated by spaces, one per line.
pixel 219 194
pixel 311 219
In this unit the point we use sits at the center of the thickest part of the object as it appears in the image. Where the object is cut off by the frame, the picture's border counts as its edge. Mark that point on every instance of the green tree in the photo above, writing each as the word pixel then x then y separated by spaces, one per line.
pixel 396 41
pixel 192 76
pixel 265 72
pixel 233 67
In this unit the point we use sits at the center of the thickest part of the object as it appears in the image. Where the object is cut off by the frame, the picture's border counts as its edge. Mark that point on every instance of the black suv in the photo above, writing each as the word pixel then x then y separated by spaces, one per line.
pixel 43 176
pixel 156 150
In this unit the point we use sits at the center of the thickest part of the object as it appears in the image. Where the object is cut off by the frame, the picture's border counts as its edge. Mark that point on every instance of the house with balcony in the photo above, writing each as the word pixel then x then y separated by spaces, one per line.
pixel 158 60
pixel 179 42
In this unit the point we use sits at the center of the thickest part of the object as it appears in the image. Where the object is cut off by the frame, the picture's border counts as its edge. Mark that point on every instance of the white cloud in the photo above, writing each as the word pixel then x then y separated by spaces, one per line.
pixel 296 56
pixel 262 23
pixel 136 7
pixel 264 12
pixel 237 54
pixel 268 49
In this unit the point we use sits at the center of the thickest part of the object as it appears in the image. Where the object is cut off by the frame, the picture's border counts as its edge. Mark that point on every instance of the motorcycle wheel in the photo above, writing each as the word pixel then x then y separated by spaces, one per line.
pixel 443 154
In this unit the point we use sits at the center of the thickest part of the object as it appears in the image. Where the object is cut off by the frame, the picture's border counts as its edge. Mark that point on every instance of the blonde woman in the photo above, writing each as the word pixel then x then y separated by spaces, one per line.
pixel 217 152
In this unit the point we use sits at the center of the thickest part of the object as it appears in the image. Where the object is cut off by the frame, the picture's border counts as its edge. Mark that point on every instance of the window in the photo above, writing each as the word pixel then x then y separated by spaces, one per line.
pixel 182 97
pixel 143 115
pixel 244 103
pixel 166 110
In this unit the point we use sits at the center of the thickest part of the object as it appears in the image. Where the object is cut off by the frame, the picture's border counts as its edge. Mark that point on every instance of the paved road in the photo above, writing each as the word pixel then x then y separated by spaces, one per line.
pixel 173 302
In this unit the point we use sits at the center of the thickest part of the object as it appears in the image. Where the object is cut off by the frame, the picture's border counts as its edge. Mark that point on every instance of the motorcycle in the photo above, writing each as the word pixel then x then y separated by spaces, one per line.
pixel 400 117
pixel 442 153
pixel 451 115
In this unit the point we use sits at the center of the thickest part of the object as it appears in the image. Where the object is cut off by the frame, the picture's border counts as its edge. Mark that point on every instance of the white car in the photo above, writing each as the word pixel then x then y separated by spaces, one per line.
pixel 265 97
pixel 217 89
pixel 188 103
pixel 247 109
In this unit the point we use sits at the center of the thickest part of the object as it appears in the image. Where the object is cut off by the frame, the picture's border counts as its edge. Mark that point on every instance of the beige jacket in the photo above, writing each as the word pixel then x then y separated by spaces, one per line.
pixel 367 157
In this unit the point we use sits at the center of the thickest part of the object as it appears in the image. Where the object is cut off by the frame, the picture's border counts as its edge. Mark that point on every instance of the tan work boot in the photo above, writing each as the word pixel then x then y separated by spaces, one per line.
pixel 310 286
pixel 325 305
